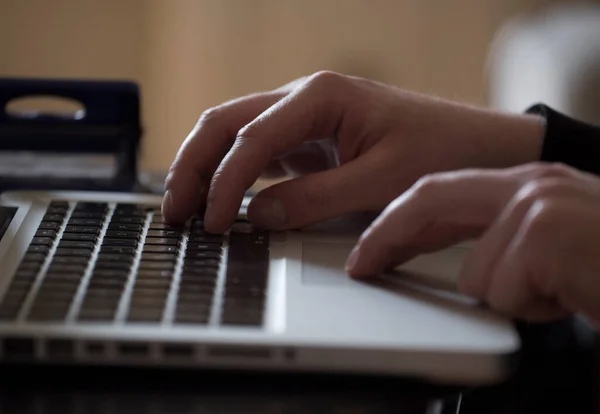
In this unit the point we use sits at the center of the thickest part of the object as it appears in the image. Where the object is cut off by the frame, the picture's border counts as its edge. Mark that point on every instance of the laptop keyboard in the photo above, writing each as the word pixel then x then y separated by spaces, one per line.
pixel 92 262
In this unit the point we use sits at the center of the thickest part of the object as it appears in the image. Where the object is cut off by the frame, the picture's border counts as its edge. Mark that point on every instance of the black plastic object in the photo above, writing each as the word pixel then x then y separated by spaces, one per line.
pixel 108 126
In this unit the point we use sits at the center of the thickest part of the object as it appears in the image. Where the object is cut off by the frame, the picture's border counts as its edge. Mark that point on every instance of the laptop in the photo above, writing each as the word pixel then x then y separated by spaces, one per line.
pixel 99 278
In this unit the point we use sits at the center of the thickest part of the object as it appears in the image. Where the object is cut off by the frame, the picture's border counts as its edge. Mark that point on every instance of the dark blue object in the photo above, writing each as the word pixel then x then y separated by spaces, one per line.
pixel 110 124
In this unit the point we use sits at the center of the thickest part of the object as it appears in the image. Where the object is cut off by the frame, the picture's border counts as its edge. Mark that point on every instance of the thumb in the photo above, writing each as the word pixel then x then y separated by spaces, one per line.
pixel 317 197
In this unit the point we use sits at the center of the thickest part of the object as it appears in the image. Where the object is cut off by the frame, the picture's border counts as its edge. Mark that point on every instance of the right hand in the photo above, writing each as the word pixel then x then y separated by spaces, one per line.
pixel 350 144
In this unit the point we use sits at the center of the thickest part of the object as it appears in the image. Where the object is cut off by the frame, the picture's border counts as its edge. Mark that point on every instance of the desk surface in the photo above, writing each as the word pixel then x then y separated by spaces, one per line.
pixel 559 373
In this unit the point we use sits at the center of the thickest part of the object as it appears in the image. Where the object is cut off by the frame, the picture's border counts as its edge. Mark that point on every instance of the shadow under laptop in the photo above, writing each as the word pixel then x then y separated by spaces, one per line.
pixel 89 390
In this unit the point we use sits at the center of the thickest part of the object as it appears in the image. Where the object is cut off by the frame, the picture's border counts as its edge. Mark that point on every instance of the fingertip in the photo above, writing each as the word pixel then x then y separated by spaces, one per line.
pixel 182 199
pixel 357 267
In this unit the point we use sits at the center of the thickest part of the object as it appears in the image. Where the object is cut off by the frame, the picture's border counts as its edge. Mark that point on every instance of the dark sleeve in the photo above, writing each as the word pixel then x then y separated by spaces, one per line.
pixel 569 141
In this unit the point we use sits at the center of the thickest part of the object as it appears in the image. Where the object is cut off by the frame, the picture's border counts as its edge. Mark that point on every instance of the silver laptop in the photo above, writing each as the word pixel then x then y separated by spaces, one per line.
pixel 99 278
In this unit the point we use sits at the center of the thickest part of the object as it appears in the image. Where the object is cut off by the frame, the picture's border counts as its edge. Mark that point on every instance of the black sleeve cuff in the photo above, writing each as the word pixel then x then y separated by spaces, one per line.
pixel 568 140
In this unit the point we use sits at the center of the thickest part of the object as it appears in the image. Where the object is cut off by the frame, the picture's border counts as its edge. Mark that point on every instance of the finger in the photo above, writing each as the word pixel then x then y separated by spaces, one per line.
pixel 311 110
pixel 516 287
pixel 317 197
pixel 460 204
pixel 478 267
pixel 189 177
pixel 309 157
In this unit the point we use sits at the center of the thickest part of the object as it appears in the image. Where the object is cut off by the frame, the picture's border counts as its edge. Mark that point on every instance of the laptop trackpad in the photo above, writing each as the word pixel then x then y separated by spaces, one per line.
pixel 323 263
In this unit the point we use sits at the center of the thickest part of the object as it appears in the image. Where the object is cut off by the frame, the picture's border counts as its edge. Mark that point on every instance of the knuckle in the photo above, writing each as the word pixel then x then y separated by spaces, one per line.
pixel 542 216
pixel 427 185
pixel 541 189
pixel 325 79
pixel 552 170
pixel 210 116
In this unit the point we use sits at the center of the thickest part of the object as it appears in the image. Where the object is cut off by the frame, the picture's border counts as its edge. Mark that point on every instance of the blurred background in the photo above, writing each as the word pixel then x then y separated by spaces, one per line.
pixel 188 55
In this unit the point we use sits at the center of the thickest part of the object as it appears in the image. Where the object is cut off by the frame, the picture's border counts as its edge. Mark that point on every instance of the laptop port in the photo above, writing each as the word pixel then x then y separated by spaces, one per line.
pixel 95 349
pixel 18 348
pixel 178 351
pixel 60 348
pixel 133 350
pixel 289 354
pixel 230 352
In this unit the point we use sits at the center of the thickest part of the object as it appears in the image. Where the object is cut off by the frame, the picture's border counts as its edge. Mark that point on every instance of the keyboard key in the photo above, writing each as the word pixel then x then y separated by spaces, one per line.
pixel 66 268
pixel 191 263
pixel 192 318
pixel 128 220
pixel 113 265
pixel 162 257
pixel 203 247
pixel 160 249
pixel 25 275
pixel 118 250
pixel 73 252
pixel 43 241
pixel 123 234
pixel 85 222
pixel 158 218
pixel 145 315
pixel 46 233
pixel 163 284
pixel 76 245
pixel 111 274
pixel 35 267
pixel 243 292
pixel 156 265
pixel 91 206
pixel 163 226
pixel 106 283
pixel 59 204
pixel 108 257
pixel 119 242
pixel 200 271
pixel 205 238
pixel 38 249
pixel 87 215
pixel 197 289
pixel 56 210
pixel 165 233
pixel 194 255
pixel 132 214
pixel 55 218
pixel 148 302
pixel 98 315
pixel 162 241
pixel 70 260
pixel 82 229
pixel 154 274
pixel 34 257
pixel 48 226
pixel 125 227
pixel 79 237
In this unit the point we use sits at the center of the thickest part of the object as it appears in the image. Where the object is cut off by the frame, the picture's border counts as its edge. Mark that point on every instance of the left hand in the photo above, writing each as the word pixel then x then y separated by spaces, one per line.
pixel 538 256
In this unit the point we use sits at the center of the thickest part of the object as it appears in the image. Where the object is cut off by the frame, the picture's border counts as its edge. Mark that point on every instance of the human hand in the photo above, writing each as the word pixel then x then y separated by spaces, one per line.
pixel 351 145
pixel 538 257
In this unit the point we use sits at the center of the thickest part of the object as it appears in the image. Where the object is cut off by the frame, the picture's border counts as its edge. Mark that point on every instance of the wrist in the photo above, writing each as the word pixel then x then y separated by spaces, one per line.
pixel 514 139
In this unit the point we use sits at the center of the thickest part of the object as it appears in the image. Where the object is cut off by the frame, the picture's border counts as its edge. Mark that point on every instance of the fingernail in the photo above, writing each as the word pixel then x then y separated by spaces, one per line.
pixel 167 203
pixel 209 215
pixel 352 259
pixel 268 212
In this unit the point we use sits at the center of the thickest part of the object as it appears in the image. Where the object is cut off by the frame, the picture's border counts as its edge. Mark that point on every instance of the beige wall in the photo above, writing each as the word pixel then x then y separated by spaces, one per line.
pixel 191 54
